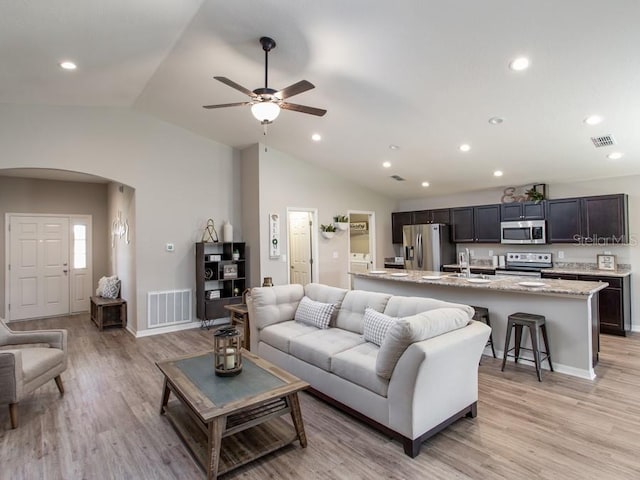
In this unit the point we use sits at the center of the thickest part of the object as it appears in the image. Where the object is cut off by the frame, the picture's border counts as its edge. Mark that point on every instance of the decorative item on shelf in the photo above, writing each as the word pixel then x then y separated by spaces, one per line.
pixel 213 258
pixel 210 234
pixel 236 292
pixel 267 282
pixel 606 262
pixel 341 222
pixel 230 271
pixel 536 194
pixel 227 352
pixel 227 232
pixel 327 231
pixel 212 294
pixel 235 255
pixel 208 273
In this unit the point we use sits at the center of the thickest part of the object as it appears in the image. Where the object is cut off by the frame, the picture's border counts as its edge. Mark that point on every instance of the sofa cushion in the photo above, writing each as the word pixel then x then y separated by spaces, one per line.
pixel 406 306
pixel 313 313
pixel 376 325
pixel 358 365
pixel 318 347
pixel 326 294
pixel 351 313
pixel 274 304
pixel 279 335
pixel 417 328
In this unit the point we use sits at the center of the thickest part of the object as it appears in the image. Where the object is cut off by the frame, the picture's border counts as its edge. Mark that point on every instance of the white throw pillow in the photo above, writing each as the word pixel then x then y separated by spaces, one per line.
pixel 376 325
pixel 314 313
pixel 416 328
pixel 111 288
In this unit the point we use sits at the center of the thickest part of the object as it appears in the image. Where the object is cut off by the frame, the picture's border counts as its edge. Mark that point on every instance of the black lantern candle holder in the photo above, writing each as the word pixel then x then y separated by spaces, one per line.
pixel 227 354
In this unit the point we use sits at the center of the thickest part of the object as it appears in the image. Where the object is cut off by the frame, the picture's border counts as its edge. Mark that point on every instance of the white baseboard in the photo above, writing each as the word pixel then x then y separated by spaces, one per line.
pixel 557 367
pixel 635 328
pixel 172 328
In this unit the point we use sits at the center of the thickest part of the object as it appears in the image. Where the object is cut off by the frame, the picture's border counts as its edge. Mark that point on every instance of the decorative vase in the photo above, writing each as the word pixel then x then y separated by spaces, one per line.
pixel 328 235
pixel 227 232
pixel 342 225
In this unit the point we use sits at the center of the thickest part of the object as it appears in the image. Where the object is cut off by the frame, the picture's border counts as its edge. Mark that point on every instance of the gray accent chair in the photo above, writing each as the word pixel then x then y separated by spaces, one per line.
pixel 38 357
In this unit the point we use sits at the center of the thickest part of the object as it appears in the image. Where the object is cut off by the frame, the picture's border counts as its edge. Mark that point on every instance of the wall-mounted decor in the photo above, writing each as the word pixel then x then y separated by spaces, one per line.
pixel 274 235
pixel 119 229
pixel 341 222
pixel 606 262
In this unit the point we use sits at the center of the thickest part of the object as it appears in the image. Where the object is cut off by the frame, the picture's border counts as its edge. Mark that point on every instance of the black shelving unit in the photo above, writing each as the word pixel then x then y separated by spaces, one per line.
pixel 220 279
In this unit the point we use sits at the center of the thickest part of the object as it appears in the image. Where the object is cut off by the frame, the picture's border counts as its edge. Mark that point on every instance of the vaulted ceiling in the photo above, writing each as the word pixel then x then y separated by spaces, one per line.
pixel 420 74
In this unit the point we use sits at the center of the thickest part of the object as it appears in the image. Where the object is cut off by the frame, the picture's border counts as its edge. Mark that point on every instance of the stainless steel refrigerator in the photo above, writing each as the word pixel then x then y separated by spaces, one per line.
pixel 427 247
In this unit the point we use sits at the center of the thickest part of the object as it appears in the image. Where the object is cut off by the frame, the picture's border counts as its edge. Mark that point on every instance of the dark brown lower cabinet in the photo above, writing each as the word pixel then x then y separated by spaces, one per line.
pixel 614 302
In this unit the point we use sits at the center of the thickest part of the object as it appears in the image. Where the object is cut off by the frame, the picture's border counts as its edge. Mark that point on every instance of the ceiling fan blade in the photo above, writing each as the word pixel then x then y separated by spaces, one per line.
pixel 303 108
pixel 238 87
pixel 295 89
pixel 237 104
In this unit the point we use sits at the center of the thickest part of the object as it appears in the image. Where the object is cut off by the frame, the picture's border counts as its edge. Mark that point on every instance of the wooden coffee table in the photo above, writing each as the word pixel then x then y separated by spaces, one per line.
pixel 227 422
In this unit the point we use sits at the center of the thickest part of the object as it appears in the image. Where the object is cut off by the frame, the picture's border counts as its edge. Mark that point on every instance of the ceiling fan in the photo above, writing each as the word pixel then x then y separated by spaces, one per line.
pixel 266 102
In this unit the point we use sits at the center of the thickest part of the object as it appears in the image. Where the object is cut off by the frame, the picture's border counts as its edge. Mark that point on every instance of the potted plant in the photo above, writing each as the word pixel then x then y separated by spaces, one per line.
pixel 236 254
pixel 534 196
pixel 328 231
pixel 341 222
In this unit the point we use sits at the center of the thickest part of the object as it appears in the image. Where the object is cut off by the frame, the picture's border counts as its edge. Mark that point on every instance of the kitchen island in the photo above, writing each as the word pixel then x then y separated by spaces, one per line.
pixel 570 307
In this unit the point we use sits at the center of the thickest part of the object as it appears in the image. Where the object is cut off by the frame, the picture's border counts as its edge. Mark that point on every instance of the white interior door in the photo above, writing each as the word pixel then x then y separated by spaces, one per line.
pixel 300 259
pixel 39 266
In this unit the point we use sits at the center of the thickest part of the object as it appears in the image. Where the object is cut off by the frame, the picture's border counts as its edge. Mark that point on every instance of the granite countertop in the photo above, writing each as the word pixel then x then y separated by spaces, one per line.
pixel 506 283
pixel 564 268
pixel 588 269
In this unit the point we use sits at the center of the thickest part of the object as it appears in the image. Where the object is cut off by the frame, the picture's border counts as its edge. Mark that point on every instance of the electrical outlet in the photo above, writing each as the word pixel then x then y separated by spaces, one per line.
pixel 560 254
pixel 170 247
pixel 491 253
pixel 607 252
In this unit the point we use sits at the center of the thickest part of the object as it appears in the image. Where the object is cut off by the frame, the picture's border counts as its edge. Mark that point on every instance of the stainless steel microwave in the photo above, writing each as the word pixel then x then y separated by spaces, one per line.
pixel 525 232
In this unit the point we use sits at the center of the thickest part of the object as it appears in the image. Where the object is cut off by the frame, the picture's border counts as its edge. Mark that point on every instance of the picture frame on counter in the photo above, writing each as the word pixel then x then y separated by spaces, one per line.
pixel 606 262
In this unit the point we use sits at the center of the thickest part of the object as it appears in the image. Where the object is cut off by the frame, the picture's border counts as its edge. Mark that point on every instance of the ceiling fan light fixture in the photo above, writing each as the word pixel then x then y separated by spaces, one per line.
pixel 265 111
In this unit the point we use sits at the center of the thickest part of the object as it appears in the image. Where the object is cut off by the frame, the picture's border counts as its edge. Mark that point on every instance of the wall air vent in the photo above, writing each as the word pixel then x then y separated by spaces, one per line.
pixel 398 178
pixel 603 141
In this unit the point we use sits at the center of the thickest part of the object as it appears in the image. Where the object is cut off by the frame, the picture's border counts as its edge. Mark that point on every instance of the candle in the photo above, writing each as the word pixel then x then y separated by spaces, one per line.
pixel 229 358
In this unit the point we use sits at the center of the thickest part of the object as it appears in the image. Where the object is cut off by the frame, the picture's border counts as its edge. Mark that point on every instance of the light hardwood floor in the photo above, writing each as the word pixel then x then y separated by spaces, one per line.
pixel 107 424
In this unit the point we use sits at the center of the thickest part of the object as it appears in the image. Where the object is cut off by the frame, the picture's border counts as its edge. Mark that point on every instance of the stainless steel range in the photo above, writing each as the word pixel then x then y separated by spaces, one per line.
pixel 526 264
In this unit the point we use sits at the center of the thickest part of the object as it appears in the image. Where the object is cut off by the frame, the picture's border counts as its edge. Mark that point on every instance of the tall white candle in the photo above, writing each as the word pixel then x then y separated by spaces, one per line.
pixel 229 358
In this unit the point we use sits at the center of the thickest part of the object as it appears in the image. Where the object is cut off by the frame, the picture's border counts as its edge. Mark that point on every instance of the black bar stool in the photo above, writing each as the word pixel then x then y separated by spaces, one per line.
pixel 482 315
pixel 534 323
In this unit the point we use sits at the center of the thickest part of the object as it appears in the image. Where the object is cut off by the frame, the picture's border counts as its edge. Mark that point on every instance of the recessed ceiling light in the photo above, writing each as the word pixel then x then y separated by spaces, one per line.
pixel 519 64
pixel 464 147
pixel 614 156
pixel 593 120
pixel 425 184
pixel 68 65
pixel 497 173
pixel 316 137
pixel 386 164
pixel 496 120
pixel 393 147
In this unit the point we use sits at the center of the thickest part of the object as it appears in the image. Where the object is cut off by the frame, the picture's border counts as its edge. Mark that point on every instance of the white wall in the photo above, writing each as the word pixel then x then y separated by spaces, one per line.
pixel 626 254
pixel 288 182
pixel 180 179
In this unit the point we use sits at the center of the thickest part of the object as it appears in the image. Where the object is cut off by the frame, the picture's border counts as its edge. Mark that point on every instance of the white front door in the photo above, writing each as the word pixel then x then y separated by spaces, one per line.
pixel 39 266
pixel 80 271
pixel 300 260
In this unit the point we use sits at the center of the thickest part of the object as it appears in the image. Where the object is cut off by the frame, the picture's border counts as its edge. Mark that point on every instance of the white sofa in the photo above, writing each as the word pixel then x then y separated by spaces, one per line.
pixel 434 382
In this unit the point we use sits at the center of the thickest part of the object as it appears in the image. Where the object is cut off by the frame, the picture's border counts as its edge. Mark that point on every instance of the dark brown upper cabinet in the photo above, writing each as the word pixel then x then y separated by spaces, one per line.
pixel 480 224
pixel 513 212
pixel 399 220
